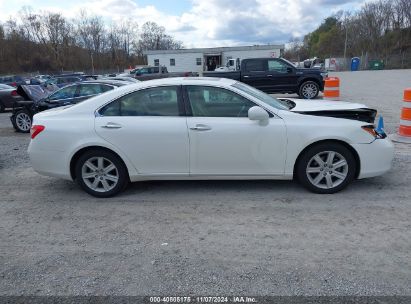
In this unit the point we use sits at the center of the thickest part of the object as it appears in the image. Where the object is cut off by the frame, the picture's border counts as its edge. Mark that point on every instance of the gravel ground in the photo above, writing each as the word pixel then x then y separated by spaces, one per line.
pixel 210 237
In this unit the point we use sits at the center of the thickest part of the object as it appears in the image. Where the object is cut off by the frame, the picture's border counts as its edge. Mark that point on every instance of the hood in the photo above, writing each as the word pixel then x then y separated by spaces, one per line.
pixel 320 105
pixel 337 109
pixel 311 70
pixel 35 92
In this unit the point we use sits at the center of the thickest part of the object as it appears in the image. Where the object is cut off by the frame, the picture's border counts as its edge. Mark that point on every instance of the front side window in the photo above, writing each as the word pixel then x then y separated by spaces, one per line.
pixel 142 71
pixel 217 102
pixel 160 101
pixel 277 66
pixel 65 93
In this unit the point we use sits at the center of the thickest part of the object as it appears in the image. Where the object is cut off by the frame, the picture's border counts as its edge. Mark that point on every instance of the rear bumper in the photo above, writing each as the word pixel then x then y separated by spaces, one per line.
pixel 49 162
pixel 375 158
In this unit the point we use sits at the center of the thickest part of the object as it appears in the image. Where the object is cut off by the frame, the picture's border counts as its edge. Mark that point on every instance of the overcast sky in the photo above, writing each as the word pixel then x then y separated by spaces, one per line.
pixel 204 23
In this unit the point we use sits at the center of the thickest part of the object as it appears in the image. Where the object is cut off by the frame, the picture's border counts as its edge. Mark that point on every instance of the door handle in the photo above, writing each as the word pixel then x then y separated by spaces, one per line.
pixel 200 128
pixel 269 75
pixel 111 125
pixel 245 76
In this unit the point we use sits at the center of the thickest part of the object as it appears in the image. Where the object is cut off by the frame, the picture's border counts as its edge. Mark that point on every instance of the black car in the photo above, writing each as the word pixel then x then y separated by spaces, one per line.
pixel 8 95
pixel 37 99
pixel 277 75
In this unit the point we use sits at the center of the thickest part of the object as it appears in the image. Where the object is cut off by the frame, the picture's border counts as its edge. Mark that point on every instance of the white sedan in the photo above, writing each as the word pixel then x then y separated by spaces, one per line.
pixel 206 128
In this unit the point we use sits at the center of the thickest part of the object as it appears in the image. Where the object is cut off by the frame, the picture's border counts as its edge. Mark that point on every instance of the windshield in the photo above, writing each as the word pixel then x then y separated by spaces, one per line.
pixel 267 99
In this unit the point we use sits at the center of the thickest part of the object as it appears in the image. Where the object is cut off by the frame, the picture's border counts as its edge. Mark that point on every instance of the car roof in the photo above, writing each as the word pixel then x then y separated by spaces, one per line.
pixel 188 81
pixel 107 81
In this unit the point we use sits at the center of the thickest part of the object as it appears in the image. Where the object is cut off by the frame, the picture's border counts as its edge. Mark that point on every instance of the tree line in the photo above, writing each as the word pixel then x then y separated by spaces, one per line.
pixel 380 30
pixel 48 42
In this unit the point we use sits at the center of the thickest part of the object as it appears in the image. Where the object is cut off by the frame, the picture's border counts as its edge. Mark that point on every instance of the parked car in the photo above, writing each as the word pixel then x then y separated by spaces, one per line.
pixel 156 72
pixel 24 110
pixel 12 80
pixel 201 128
pixel 8 95
pixel 62 81
pixel 276 75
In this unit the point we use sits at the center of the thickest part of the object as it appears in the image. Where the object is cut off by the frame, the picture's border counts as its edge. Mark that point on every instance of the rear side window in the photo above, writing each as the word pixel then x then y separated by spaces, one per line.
pixel 256 66
pixel 105 88
pixel 161 101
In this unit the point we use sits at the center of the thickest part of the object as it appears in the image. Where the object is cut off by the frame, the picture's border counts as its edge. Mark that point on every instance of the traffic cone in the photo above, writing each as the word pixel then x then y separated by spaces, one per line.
pixel 404 132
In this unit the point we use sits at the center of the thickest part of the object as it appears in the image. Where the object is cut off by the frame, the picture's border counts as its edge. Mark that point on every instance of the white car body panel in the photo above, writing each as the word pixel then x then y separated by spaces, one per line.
pixel 153 144
pixel 306 105
pixel 234 148
pixel 237 146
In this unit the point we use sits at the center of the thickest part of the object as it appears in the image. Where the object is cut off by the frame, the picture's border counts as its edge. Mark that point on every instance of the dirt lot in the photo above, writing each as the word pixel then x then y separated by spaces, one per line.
pixel 210 238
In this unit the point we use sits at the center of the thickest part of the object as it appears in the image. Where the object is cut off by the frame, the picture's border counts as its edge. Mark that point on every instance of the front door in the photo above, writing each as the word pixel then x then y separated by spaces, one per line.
pixel 280 76
pixel 150 128
pixel 223 141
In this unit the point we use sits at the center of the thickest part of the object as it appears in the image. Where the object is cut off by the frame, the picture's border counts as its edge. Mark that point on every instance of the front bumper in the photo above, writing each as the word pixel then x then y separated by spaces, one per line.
pixel 375 158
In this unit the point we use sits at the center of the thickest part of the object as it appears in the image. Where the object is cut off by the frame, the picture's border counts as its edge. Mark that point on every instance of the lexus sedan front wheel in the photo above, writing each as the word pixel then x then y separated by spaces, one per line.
pixel 326 168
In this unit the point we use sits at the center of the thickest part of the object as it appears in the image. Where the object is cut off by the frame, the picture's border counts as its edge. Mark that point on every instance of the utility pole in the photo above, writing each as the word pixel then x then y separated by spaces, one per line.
pixel 92 63
pixel 345 44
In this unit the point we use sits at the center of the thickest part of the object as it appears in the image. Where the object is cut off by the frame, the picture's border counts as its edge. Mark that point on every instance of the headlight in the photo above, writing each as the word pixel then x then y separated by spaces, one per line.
pixel 324 75
pixel 370 129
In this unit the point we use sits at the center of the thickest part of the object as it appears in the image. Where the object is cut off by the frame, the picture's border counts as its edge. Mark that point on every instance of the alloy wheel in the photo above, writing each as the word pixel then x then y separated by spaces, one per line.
pixel 327 169
pixel 309 90
pixel 23 121
pixel 100 174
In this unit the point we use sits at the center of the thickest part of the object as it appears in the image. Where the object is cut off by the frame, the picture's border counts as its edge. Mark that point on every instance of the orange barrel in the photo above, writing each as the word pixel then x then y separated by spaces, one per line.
pixel 331 88
pixel 405 122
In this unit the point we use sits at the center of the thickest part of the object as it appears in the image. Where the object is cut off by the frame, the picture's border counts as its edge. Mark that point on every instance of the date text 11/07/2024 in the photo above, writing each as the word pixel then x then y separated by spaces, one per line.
pixel 205 299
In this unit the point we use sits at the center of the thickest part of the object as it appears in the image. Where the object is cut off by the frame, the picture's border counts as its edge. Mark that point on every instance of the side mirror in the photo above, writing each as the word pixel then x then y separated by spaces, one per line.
pixel 289 70
pixel 258 113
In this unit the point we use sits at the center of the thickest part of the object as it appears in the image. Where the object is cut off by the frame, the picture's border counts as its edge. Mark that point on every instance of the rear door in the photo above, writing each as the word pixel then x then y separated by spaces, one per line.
pixel 149 126
pixel 254 72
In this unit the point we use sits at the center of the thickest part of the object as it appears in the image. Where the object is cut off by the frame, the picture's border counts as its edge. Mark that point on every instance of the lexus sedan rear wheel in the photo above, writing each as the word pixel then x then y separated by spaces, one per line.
pixel 309 90
pixel 22 121
pixel 326 168
pixel 101 173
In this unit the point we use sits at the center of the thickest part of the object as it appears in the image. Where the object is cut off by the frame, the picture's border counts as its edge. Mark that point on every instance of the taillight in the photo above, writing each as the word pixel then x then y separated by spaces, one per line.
pixel 14 93
pixel 13 84
pixel 36 130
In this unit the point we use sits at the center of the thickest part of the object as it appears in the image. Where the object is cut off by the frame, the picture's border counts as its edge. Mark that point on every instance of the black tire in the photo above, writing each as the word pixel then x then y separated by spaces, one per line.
pixel 17 119
pixel 309 90
pixel 326 172
pixel 2 107
pixel 93 156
